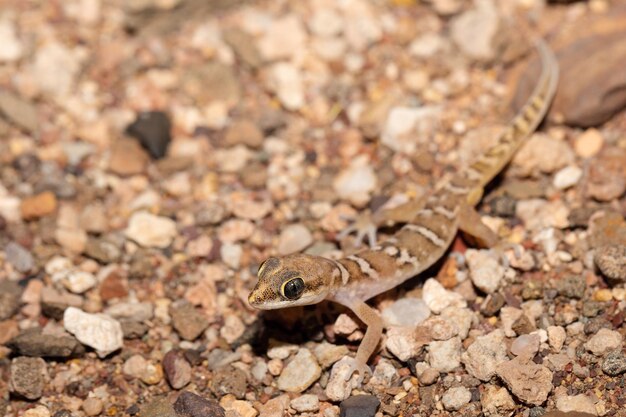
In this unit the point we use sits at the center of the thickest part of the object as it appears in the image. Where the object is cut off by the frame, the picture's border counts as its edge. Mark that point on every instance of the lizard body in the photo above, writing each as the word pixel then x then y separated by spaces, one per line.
pixel 301 279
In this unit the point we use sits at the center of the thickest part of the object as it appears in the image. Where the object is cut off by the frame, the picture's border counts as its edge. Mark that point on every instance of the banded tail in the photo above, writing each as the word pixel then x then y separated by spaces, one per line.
pixel 494 159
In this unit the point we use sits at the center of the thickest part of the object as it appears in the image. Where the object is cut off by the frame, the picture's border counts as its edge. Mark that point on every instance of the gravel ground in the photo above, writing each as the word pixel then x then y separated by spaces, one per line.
pixel 154 152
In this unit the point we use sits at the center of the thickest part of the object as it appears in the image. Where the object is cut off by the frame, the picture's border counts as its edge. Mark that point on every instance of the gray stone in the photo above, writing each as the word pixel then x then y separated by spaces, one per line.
pixel 19 257
pixel 28 377
pixel 455 398
pixel 189 404
pixel 10 293
pixel 359 406
pixel 406 312
pixel 614 363
pixel 611 260
pixel 188 322
pixel 33 342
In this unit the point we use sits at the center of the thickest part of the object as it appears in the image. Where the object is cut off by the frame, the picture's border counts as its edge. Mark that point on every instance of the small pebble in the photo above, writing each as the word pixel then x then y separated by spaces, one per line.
pixel 98 331
pixel 604 341
pixel 193 405
pixel 92 406
pixel 484 269
pixel 153 131
pixel 151 231
pixel 438 298
pixel 305 403
pixel 275 407
pixel 611 260
pixel 567 177
pixel 38 206
pixel 356 183
pixel 408 312
pixel 588 143
pixel 28 377
pixel 187 321
pixel 300 373
pixel 455 398
pixel 614 363
pixel 19 257
pixel 37 411
pixel 445 356
pixel 484 355
pixel 177 369
pixel 294 238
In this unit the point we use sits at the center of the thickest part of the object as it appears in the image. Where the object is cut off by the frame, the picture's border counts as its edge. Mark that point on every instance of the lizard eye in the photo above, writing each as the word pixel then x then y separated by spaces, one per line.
pixel 293 288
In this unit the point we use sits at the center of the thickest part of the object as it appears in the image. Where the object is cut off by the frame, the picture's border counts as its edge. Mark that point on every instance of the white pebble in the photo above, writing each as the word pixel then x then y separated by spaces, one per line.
pixel 98 331
pixel 567 177
pixel 151 231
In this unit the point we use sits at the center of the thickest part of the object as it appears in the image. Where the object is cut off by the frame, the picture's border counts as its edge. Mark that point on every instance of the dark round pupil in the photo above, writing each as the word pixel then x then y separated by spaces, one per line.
pixel 294 288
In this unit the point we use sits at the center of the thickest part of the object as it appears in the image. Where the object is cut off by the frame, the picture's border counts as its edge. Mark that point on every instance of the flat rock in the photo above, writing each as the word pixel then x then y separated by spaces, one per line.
pixel 99 331
pixel 300 373
pixel 591 83
pixel 482 357
pixel 359 406
pixel 529 382
pixel 187 321
pixel 189 404
pixel 33 342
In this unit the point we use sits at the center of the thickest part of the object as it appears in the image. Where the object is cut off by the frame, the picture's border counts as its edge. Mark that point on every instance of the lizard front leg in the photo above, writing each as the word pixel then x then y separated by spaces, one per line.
pixel 370 341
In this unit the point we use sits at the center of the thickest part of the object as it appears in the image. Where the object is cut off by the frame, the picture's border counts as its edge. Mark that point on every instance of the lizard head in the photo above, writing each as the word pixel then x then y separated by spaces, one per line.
pixel 292 280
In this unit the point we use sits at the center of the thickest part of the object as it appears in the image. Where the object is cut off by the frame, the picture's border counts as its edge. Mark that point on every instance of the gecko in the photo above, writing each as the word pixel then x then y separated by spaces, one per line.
pixel 427 231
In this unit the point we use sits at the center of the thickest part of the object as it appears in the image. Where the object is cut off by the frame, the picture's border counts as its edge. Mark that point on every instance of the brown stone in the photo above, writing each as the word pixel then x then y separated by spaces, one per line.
pixel 592 86
pixel 115 285
pixel 128 158
pixel 244 132
pixel 39 205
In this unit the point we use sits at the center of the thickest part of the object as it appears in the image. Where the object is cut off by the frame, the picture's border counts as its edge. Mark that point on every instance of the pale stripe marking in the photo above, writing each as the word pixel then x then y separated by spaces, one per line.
pixel 365 266
pixel 427 233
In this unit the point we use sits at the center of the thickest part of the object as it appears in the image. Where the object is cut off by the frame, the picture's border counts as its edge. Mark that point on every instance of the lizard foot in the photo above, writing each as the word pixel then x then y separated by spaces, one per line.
pixel 362 225
pixel 359 367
